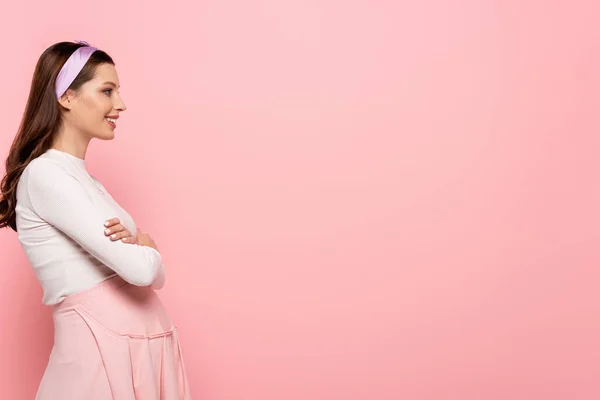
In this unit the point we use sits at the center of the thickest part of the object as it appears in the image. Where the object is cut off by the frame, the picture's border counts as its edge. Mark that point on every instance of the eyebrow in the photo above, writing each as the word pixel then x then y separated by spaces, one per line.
pixel 110 83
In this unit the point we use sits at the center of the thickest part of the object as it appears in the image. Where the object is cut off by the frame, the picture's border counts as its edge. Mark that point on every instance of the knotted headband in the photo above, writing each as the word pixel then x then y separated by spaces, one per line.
pixel 73 67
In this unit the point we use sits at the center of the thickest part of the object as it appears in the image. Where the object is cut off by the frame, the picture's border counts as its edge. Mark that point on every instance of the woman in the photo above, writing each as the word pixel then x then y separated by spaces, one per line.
pixel 112 337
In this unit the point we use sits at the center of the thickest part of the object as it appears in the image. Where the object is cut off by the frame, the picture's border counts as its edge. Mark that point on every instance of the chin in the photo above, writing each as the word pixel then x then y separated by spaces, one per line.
pixel 110 136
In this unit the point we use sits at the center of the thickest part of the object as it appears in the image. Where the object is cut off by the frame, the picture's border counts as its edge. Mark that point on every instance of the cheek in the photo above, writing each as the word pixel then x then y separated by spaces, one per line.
pixel 99 105
pixel 93 111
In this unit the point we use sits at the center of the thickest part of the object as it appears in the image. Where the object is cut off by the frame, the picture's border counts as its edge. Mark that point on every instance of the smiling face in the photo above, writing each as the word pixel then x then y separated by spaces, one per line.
pixel 93 109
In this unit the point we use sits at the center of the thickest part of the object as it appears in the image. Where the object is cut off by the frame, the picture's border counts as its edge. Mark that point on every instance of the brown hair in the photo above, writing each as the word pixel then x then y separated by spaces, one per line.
pixel 41 120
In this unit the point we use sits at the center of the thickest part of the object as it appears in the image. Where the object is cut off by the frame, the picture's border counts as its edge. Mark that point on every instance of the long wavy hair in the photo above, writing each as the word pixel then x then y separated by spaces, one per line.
pixel 41 120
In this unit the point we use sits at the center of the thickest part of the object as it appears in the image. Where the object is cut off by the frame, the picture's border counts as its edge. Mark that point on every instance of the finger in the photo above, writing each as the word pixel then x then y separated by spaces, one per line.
pixel 119 235
pixel 114 229
pixel 111 222
pixel 118 228
pixel 129 239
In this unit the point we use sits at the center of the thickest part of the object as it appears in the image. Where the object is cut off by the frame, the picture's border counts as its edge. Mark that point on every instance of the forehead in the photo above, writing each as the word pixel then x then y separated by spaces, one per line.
pixel 105 72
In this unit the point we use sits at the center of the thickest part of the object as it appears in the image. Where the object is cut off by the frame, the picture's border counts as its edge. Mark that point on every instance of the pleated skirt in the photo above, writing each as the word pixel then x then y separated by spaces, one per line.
pixel 114 341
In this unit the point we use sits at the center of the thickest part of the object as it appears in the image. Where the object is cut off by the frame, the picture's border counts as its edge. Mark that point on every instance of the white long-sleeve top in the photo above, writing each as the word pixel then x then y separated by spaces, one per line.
pixel 60 215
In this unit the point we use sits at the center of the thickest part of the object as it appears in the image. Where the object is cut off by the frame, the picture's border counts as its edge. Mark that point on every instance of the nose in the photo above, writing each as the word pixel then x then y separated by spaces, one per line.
pixel 120 104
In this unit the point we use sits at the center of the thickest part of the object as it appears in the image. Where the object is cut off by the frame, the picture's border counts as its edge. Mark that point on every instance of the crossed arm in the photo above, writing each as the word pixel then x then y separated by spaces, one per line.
pixel 61 200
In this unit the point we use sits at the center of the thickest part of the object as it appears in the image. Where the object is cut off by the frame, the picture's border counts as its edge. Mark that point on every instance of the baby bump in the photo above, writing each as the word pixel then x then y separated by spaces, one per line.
pixel 122 309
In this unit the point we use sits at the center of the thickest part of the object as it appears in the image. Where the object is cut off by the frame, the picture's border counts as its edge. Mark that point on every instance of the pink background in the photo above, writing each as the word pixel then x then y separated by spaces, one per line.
pixel 354 199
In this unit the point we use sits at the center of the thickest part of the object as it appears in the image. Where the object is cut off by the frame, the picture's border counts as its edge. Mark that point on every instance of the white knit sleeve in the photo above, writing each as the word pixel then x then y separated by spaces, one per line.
pixel 62 201
pixel 159 282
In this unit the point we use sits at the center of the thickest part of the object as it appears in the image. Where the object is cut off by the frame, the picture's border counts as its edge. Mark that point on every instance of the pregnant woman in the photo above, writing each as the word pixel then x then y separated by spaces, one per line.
pixel 113 339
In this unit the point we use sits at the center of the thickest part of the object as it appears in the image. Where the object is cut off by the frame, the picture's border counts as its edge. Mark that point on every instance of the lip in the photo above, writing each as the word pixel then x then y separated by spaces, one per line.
pixel 113 126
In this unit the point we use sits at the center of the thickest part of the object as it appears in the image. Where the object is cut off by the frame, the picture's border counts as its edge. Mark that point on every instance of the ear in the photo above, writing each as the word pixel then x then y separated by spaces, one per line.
pixel 67 99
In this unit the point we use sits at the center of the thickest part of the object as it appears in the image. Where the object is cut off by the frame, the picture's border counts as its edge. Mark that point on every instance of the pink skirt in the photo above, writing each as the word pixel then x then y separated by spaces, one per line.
pixel 114 341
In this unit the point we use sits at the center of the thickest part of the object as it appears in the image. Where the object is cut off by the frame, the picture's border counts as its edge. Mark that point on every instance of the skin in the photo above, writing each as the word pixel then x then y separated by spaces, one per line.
pixel 84 118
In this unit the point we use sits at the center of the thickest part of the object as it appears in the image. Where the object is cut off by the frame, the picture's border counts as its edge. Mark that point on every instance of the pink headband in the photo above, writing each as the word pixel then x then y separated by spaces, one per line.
pixel 73 67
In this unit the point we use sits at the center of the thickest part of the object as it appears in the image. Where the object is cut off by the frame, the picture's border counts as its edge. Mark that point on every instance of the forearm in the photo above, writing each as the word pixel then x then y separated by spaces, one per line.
pixel 159 282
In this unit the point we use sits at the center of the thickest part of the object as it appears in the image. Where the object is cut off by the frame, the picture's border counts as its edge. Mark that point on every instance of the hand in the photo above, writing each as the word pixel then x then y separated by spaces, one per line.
pixel 144 239
pixel 116 231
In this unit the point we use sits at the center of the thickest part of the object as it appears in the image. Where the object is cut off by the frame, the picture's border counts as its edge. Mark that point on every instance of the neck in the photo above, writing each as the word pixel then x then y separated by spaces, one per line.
pixel 71 142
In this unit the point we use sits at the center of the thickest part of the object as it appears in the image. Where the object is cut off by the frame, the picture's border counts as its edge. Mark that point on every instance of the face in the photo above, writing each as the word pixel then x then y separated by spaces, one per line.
pixel 95 107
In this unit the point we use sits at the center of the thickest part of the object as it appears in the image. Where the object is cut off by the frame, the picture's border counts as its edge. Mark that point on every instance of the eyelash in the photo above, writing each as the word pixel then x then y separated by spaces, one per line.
pixel 107 90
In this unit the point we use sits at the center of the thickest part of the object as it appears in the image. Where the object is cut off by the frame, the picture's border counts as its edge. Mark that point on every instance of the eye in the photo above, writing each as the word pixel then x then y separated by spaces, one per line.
pixel 107 90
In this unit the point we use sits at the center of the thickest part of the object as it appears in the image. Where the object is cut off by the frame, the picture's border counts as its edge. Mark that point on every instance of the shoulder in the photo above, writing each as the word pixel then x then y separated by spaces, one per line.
pixel 42 163
pixel 40 178
pixel 43 168
pixel 50 186
pixel 48 174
